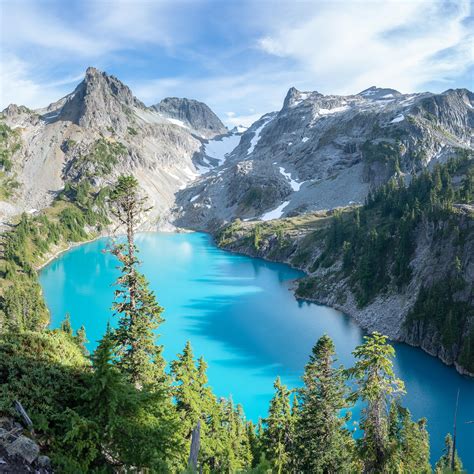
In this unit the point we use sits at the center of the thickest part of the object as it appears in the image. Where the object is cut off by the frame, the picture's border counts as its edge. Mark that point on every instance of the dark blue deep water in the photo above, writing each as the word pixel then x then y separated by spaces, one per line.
pixel 239 313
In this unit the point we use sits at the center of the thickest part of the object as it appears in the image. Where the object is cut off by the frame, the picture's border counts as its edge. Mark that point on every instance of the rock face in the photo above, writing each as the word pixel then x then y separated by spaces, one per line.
pixel 193 114
pixel 160 151
pixel 20 453
pixel 324 151
pixel 99 101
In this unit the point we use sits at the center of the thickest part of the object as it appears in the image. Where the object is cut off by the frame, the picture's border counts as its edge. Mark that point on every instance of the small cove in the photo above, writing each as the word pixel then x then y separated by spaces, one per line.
pixel 240 314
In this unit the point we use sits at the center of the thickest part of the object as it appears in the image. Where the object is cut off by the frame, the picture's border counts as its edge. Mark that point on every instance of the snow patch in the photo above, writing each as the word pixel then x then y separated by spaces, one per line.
pixel 275 213
pixel 195 197
pixel 295 185
pixel 398 118
pixel 335 110
pixel 180 123
pixel 256 136
pixel 174 176
pixel 304 139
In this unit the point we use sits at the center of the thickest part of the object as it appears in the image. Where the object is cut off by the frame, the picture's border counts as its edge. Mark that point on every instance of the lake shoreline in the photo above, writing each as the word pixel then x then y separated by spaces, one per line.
pixel 348 309
pixel 236 310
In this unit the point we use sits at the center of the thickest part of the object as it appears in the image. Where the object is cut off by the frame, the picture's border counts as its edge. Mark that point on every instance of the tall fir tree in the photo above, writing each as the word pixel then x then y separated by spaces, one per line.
pixel 135 304
pixel 196 403
pixel 65 325
pixel 324 444
pixel 280 430
pixel 377 388
pixel 444 463
pixel 408 443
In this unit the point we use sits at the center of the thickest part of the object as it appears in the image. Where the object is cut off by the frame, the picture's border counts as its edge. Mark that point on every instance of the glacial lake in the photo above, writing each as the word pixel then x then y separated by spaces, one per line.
pixel 239 313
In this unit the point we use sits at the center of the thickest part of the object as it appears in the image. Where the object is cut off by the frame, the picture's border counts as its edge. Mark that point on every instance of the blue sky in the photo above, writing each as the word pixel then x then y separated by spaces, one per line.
pixel 240 57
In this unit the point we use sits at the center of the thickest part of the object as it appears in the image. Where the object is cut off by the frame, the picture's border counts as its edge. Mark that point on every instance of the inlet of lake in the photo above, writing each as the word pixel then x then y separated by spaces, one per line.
pixel 241 316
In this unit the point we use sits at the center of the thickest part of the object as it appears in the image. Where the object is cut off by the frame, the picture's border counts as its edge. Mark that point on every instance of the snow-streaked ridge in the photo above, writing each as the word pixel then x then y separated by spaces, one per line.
pixel 256 136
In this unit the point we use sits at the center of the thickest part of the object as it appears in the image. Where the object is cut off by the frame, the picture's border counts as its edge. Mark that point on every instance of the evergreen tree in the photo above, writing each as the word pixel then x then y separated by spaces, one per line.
pixel 196 403
pixel 81 339
pixel 237 454
pixel 280 430
pixel 66 325
pixel 109 396
pixel 408 443
pixel 324 444
pixel 444 463
pixel 255 435
pixel 377 388
pixel 140 315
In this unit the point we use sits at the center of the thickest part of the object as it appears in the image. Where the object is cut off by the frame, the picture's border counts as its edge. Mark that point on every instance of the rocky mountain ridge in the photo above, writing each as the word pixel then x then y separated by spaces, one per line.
pixel 162 152
pixel 320 152
pixel 191 113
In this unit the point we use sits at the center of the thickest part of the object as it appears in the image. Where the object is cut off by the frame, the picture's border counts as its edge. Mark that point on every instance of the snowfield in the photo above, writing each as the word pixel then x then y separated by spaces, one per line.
pixel 398 118
pixel 220 148
pixel 276 213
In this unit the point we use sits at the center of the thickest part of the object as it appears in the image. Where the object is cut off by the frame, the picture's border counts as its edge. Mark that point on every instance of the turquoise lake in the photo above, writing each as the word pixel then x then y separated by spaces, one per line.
pixel 239 313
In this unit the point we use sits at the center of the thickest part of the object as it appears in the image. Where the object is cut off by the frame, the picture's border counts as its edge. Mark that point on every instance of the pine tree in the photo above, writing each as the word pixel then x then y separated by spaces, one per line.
pixel 377 388
pixel 408 443
pixel 140 314
pixel 109 395
pixel 236 455
pixel 280 430
pixel 81 339
pixel 195 402
pixel 65 325
pixel 444 463
pixel 324 444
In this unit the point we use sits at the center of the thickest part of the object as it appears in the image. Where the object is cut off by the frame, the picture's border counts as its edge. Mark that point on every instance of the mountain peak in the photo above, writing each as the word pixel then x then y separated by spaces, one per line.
pixel 191 112
pixel 376 93
pixel 99 100
pixel 295 96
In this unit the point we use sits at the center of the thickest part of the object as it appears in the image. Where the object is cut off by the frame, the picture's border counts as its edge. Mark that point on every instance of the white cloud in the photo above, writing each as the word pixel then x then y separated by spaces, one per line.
pixel 331 46
pixel 348 46
pixel 18 85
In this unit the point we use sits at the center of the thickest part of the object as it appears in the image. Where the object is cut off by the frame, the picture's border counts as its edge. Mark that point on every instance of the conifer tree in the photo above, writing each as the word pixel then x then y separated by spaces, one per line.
pixel 81 339
pixel 280 430
pixel 444 464
pixel 377 388
pixel 195 401
pixel 109 395
pixel 324 445
pixel 139 313
pixel 237 455
pixel 408 443
pixel 65 325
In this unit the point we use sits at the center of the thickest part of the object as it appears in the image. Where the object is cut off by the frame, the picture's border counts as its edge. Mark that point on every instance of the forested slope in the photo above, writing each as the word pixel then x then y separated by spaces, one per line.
pixel 402 263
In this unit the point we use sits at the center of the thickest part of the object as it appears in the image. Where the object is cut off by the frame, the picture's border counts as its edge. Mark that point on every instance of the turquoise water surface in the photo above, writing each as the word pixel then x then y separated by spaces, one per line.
pixel 239 313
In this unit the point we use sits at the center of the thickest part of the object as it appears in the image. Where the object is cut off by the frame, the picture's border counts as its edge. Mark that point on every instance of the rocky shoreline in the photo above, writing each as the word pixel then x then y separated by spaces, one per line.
pixel 385 314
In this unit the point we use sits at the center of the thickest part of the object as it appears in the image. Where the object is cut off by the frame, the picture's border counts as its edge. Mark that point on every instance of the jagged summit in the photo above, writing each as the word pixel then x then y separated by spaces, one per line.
pixel 192 113
pixel 376 93
pixel 100 100
pixel 294 96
